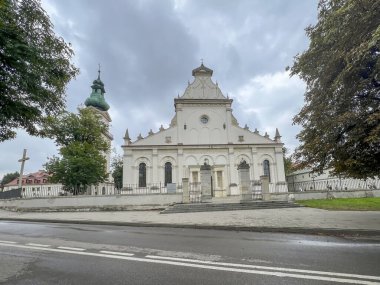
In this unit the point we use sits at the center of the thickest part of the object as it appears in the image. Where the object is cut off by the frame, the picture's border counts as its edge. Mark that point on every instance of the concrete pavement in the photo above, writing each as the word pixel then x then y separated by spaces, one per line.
pixel 293 220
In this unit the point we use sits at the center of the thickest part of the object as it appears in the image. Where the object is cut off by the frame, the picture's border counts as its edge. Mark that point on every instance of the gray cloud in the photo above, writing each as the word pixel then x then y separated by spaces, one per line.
pixel 148 48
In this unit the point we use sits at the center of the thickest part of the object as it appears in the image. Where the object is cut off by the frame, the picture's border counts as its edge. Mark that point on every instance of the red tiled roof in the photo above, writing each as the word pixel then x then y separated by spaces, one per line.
pixel 39 175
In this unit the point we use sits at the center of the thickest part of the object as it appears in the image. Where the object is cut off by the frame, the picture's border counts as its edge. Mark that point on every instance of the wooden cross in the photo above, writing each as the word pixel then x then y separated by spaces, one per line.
pixel 22 160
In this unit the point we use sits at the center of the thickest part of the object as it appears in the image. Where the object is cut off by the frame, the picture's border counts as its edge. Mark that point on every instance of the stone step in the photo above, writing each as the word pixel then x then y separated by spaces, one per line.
pixel 220 209
pixel 244 204
pixel 225 200
pixel 208 207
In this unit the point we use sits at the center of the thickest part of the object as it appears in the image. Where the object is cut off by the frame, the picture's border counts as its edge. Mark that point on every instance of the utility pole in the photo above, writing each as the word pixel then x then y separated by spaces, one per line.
pixel 22 160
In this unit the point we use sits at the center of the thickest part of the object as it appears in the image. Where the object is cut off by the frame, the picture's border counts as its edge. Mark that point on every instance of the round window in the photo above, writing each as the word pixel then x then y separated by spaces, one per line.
pixel 204 119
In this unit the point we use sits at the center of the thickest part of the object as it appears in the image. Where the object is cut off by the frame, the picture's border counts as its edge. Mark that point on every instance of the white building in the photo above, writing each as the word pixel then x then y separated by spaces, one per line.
pixel 203 129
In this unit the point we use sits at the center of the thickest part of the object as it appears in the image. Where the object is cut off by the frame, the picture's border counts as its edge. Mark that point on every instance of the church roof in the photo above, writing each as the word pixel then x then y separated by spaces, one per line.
pixel 202 87
pixel 96 98
pixel 202 70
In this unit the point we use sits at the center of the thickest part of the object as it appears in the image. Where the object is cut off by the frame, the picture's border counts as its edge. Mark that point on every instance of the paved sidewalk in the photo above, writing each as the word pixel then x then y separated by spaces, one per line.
pixel 294 220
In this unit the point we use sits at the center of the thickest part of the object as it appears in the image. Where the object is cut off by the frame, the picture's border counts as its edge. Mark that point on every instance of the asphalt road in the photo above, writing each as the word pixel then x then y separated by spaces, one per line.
pixel 32 253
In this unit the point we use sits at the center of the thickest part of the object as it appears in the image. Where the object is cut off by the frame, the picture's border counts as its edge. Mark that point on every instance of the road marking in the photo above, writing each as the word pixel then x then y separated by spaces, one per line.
pixel 266 267
pixel 117 253
pixel 71 248
pixel 7 241
pixel 211 267
pixel 38 244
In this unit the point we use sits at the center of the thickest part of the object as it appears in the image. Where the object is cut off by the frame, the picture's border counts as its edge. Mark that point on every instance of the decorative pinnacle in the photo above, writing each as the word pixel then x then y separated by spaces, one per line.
pixel 266 135
pixel 99 72
pixel 126 136
pixel 256 131
pixel 277 136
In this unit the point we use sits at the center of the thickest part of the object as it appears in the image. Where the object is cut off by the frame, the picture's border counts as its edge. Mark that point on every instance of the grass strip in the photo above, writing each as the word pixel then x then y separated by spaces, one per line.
pixel 344 204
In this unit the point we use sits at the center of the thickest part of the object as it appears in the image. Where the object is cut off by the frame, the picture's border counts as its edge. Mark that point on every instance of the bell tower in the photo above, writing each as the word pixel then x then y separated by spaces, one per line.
pixel 98 104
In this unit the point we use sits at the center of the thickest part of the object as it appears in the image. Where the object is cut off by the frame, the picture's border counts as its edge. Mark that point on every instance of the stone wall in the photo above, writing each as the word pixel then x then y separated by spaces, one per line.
pixel 93 203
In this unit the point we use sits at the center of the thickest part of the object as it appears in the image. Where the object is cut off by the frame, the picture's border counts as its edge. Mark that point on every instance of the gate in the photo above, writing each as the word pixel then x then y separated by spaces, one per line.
pixel 257 193
pixel 195 192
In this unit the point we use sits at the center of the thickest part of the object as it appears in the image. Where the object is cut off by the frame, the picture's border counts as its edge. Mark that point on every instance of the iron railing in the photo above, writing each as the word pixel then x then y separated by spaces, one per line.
pixel 255 188
pixel 195 192
pixel 154 188
pixel 334 184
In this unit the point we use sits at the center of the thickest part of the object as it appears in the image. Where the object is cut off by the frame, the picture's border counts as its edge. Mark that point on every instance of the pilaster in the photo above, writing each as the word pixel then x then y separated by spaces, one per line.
pixel 155 168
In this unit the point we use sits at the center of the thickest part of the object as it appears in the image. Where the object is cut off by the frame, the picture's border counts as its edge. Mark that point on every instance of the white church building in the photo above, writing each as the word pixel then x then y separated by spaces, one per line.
pixel 203 129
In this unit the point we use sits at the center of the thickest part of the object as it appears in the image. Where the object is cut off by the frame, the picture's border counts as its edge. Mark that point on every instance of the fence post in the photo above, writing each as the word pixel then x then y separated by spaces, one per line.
pixel 244 181
pixel 206 182
pixel 265 187
pixel 185 190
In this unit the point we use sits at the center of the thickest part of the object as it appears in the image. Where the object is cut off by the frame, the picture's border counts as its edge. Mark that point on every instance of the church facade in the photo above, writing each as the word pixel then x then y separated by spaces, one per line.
pixel 203 130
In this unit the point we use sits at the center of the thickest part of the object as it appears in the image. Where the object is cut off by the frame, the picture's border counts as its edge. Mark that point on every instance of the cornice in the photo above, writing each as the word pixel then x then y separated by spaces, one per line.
pixel 202 101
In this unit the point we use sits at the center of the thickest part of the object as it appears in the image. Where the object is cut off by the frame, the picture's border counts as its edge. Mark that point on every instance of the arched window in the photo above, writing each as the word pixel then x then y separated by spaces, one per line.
pixel 142 175
pixel 168 173
pixel 266 168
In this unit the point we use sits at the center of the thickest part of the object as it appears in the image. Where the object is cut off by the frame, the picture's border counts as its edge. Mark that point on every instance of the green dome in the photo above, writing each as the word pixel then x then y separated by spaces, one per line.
pixel 96 98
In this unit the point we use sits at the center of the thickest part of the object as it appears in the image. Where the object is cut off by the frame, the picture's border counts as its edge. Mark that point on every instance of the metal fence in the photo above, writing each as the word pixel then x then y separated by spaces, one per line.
pixel 195 192
pixel 255 188
pixel 36 191
pixel 334 184
pixel 104 189
pixel 154 188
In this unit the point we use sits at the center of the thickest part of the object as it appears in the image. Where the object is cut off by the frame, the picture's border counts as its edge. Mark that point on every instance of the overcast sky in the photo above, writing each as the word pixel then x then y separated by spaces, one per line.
pixel 148 48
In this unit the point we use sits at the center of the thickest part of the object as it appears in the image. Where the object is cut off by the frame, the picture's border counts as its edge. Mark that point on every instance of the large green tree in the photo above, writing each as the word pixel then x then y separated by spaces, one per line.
pixel 341 115
pixel 288 163
pixel 82 147
pixel 35 67
pixel 8 178
pixel 117 171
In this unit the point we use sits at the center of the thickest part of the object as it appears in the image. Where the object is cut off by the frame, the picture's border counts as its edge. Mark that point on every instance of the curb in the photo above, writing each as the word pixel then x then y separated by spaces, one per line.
pixel 291 230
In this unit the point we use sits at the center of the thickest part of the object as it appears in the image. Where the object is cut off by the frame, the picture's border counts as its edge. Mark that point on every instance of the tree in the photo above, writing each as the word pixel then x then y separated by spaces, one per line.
pixel 8 178
pixel 341 115
pixel 288 163
pixel 34 68
pixel 117 171
pixel 82 147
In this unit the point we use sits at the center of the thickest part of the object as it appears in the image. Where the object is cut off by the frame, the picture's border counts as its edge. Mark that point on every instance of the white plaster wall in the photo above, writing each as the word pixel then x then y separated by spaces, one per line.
pixel 248 136
pixel 159 138
pixel 210 133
